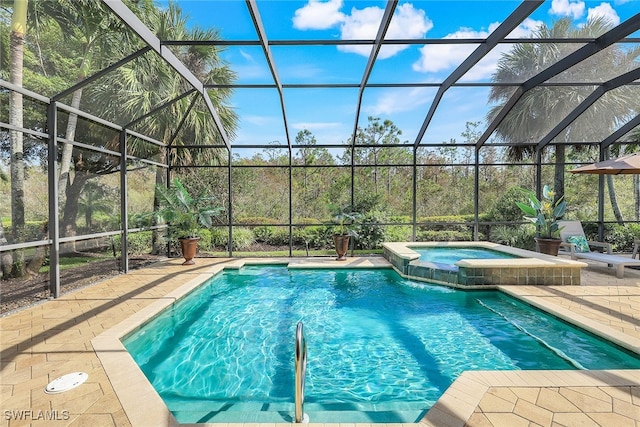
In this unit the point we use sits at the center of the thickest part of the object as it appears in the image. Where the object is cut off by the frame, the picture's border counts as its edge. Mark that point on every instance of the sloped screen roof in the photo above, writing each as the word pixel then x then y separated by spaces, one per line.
pixel 428 66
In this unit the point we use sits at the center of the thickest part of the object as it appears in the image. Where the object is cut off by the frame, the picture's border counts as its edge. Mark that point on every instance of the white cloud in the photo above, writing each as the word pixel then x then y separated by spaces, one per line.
pixel 604 10
pixel 435 58
pixel 394 101
pixel 248 67
pixel 572 8
pixel 252 71
pixel 439 57
pixel 408 22
pixel 314 126
pixel 525 29
pixel 318 15
pixel 259 120
pixel 246 56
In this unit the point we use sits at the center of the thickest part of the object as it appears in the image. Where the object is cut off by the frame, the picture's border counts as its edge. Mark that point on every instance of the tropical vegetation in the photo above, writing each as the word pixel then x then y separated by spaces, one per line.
pixel 544 213
pixel 277 197
pixel 185 213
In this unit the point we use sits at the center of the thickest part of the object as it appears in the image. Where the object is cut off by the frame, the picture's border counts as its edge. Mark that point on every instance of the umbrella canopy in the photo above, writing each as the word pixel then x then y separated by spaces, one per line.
pixel 629 164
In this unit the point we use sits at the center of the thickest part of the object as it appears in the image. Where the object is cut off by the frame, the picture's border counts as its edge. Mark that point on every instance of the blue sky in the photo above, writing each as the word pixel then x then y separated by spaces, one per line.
pixel 330 113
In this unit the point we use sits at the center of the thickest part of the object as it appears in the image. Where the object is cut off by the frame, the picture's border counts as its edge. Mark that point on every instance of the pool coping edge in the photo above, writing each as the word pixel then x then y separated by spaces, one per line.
pixel 144 406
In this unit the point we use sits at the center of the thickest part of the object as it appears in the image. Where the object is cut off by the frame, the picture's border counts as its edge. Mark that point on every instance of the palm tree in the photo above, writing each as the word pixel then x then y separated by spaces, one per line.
pixel 87 25
pixel 84 23
pixel 17 41
pixel 94 200
pixel 149 82
pixel 528 120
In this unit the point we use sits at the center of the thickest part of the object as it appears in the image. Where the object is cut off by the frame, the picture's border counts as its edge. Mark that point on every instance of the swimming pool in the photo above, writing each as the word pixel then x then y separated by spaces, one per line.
pixel 450 255
pixel 471 264
pixel 381 348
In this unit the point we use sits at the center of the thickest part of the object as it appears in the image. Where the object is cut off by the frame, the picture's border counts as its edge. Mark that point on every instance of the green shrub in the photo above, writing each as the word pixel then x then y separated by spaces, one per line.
pixel 310 221
pixel 139 243
pixel 449 218
pixel 140 220
pixel 590 230
pixel 398 233
pixel 263 233
pixel 370 236
pixel 279 237
pixel 33 230
pixel 243 238
pixel 400 219
pixel 621 237
pixel 517 236
pixel 205 239
pixel 320 234
pixel 460 223
pixel 256 220
pixel 315 236
pixel 219 237
pixel 443 236
pixel 505 208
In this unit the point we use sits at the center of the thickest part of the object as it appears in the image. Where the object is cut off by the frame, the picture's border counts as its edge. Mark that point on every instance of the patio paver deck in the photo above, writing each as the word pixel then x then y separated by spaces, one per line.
pixel 42 342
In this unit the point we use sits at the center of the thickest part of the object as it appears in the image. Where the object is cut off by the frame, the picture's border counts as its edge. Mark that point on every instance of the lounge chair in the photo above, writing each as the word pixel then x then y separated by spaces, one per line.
pixel 573 239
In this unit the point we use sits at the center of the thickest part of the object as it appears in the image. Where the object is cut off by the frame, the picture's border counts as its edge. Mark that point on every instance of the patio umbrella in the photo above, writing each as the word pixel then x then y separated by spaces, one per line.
pixel 629 164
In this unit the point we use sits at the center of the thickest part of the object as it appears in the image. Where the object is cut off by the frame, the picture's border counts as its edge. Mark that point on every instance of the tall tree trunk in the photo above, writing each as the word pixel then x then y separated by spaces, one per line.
pixel 35 264
pixel 156 241
pixel 612 193
pixel 88 214
pixel 558 178
pixel 18 30
pixel 6 259
pixel 636 196
pixel 614 200
pixel 70 212
pixel 67 149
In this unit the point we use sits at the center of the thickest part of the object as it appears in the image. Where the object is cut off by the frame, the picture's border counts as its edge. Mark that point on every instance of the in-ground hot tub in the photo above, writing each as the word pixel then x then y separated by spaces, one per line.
pixel 505 266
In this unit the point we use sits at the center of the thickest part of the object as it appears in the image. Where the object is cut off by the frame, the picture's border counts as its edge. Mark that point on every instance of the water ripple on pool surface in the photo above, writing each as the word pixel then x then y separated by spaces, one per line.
pixel 374 339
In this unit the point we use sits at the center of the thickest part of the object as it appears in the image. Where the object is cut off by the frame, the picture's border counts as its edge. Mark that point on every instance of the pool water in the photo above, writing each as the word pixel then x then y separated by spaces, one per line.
pixel 450 255
pixel 380 348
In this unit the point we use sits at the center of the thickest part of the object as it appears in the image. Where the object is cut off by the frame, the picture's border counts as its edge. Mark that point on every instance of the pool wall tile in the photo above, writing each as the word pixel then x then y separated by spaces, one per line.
pixel 531 268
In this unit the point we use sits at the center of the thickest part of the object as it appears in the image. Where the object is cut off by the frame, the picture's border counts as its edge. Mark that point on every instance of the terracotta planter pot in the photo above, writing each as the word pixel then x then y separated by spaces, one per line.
pixel 341 242
pixel 548 246
pixel 189 247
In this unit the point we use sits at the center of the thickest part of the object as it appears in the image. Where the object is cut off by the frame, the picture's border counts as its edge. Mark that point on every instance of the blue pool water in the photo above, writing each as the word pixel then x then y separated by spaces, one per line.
pixel 450 255
pixel 380 348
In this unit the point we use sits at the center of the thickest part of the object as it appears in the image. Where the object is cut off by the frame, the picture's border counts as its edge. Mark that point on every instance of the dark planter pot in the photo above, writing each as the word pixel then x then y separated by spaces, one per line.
pixel 341 242
pixel 548 246
pixel 189 246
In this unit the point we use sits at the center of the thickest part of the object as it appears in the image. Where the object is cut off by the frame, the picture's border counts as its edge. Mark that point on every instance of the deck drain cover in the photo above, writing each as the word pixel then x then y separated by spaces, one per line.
pixel 66 382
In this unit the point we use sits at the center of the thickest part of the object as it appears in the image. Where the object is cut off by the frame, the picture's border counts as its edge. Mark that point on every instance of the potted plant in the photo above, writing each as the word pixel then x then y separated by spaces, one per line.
pixel 185 215
pixel 344 219
pixel 545 214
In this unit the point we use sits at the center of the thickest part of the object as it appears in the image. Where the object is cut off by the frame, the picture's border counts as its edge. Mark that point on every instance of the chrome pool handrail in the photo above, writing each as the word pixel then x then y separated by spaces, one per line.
pixel 301 369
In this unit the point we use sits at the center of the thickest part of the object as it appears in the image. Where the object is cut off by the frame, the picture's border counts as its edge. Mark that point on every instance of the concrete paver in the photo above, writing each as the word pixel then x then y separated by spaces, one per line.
pixel 45 341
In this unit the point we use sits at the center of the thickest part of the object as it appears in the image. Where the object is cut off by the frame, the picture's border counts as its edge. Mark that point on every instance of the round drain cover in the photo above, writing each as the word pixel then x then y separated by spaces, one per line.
pixel 66 382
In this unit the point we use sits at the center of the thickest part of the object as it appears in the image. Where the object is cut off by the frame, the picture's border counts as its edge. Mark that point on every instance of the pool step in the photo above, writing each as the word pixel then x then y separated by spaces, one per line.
pixel 278 412
pixel 404 417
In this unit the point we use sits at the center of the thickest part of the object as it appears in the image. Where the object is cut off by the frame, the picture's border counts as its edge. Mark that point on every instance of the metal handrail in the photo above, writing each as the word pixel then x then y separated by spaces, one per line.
pixel 301 369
